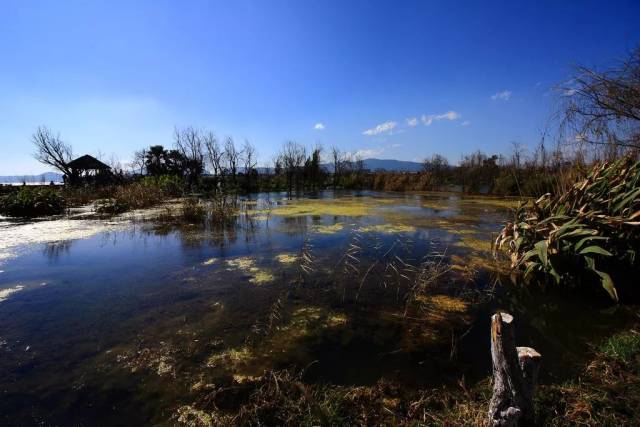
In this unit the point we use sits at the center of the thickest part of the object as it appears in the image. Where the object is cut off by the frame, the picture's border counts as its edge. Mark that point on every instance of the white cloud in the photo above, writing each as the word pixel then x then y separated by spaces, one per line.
pixel 396 145
pixel 569 92
pixel 319 126
pixel 386 127
pixel 412 121
pixel 505 95
pixel 368 153
pixel 449 115
pixel 465 123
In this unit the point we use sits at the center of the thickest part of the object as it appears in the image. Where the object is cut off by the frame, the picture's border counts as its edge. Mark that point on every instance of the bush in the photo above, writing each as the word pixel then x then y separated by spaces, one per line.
pixel 193 210
pixel 137 195
pixel 32 202
pixel 590 231
pixel 169 185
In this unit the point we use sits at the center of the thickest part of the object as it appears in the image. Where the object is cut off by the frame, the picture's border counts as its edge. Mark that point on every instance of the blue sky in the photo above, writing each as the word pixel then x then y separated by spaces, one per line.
pixel 114 76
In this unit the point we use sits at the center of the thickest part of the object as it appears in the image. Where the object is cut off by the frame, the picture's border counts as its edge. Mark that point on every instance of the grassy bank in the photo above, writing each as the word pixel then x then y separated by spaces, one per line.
pixel 606 392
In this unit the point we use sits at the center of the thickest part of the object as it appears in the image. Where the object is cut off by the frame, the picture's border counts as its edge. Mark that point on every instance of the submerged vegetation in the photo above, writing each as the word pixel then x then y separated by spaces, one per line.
pixel 591 231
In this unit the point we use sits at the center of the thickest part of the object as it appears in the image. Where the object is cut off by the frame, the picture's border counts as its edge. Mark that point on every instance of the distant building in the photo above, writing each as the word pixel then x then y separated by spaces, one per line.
pixel 88 170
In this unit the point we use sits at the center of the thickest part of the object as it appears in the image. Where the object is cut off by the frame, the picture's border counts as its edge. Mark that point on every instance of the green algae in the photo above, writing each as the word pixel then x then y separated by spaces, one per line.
pixel 231 358
pixel 247 266
pixel 474 244
pixel 328 229
pixel 286 258
pixel 388 228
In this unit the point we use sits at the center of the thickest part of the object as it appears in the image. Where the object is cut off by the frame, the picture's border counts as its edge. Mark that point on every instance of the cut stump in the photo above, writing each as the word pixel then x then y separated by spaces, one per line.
pixel 515 372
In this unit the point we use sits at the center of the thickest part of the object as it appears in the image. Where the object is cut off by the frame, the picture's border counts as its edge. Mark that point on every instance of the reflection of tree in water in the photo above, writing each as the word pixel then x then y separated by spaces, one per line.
pixel 54 250
pixel 295 225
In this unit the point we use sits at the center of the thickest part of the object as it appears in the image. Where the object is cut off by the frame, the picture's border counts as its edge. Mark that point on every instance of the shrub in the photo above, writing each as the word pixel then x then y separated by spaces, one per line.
pixel 193 210
pixel 137 195
pixel 32 202
pixel 592 228
pixel 169 185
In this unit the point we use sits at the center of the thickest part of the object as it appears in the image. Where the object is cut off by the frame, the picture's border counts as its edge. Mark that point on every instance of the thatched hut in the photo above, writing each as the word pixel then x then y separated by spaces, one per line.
pixel 88 169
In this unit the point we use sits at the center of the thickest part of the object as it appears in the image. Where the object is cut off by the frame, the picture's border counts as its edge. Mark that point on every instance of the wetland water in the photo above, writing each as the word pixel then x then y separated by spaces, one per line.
pixel 124 321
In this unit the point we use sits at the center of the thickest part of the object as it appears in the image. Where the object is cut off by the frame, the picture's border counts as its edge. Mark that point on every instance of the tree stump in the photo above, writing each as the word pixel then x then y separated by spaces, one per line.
pixel 515 372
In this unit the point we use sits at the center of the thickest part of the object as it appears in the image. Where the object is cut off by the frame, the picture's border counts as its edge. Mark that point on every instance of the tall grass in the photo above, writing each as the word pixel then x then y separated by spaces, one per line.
pixel 137 195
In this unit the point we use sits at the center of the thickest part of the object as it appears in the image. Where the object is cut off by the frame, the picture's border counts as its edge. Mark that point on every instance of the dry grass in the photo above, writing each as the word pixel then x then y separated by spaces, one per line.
pixel 606 393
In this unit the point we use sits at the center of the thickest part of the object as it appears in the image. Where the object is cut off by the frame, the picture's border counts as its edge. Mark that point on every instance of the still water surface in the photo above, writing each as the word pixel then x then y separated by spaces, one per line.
pixel 122 321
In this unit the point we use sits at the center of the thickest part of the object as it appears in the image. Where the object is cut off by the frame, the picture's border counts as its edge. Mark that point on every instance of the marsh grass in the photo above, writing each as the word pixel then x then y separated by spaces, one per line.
pixel 192 210
pixel 283 398
pixel 622 347
pixel 606 392
pixel 32 202
pixel 137 195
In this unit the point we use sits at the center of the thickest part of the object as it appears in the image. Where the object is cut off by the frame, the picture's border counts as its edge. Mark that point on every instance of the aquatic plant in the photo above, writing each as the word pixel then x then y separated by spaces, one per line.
pixel 592 227
pixel 306 259
pixel 192 210
pixel 247 265
pixel 136 195
pixel 222 210
pixel 32 202
pixel 388 228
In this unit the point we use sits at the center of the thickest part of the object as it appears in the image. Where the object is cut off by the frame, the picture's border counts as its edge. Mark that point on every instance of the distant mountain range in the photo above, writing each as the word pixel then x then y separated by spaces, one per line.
pixel 371 164
pixel 46 177
pixel 385 164
pixel 392 165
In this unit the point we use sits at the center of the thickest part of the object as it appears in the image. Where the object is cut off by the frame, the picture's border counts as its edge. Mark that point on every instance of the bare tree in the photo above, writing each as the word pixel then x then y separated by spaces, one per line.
pixel 248 156
pixel 603 107
pixel 293 157
pixel 436 166
pixel 189 144
pixel 336 159
pixel 51 150
pixel 215 153
pixel 138 162
pixel 232 156
pixel 249 162
pixel 277 164
pixel 115 164
pixel 517 153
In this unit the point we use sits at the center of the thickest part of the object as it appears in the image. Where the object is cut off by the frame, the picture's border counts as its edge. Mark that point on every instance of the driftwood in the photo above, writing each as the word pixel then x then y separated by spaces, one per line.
pixel 515 371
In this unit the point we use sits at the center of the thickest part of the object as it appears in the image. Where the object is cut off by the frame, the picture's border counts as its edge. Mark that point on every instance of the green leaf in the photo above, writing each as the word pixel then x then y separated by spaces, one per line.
pixel 627 199
pixel 595 250
pixel 530 268
pixel 554 273
pixel 581 242
pixel 528 255
pixel 542 249
pixel 607 284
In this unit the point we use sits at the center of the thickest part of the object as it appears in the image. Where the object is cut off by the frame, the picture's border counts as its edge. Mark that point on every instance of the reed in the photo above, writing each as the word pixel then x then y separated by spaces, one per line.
pixel 592 228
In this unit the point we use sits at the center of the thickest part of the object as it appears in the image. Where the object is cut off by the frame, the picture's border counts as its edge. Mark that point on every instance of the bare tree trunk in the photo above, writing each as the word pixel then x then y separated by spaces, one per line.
pixel 515 372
